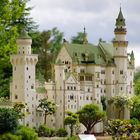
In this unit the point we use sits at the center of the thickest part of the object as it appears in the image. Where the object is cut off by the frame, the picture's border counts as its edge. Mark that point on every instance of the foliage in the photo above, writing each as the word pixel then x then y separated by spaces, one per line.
pixel 79 38
pixel 103 101
pixel 45 131
pixel 120 128
pixel 27 133
pixel 90 115
pixel 8 120
pixel 137 87
pixel 11 21
pixel 9 136
pixel 135 110
pixel 71 119
pixel 73 138
pixel 47 106
pixel 120 102
pixel 18 108
pixel 47 46
pixel 61 132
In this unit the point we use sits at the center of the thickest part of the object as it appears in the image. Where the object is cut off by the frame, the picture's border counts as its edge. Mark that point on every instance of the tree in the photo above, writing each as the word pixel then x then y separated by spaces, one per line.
pixel 71 120
pixel 8 120
pixel 120 102
pixel 9 136
pixel 135 110
pixel 47 106
pixel 79 38
pixel 90 115
pixel 47 46
pixel 11 22
pixel 27 133
pixel 18 107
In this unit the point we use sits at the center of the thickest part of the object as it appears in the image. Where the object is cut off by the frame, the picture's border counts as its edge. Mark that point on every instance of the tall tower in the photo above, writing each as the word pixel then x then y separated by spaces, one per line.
pixel 23 82
pixel 120 55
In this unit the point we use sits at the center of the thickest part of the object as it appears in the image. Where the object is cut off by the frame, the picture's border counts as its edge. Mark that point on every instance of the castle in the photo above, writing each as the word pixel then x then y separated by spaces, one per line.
pixel 83 73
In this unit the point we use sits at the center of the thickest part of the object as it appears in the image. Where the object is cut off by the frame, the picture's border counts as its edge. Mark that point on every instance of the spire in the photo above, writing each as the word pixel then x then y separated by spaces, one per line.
pixel 24 35
pixel 85 41
pixel 120 21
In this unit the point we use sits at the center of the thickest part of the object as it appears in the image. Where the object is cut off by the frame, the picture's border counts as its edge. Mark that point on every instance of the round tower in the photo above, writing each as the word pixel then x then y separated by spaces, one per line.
pixel 120 54
pixel 23 78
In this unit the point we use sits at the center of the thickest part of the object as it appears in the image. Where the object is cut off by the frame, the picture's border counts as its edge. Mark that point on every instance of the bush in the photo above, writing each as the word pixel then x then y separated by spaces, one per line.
pixel 9 136
pixel 8 120
pixel 61 132
pixel 73 138
pixel 45 131
pixel 27 133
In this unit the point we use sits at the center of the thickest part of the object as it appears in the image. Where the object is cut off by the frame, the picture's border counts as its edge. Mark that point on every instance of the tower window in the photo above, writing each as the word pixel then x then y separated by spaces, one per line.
pixel 71 97
pixel 29 76
pixel 23 52
pixel 15 68
pixel 113 72
pixel 16 97
pixel 32 86
pixel 27 68
pixel 121 71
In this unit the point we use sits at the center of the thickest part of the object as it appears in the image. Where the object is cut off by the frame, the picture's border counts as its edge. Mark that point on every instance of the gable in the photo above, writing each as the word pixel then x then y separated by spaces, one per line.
pixel 71 79
pixel 63 55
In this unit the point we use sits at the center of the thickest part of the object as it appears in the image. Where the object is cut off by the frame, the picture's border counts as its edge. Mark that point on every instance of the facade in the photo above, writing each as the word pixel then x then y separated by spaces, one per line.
pixel 83 73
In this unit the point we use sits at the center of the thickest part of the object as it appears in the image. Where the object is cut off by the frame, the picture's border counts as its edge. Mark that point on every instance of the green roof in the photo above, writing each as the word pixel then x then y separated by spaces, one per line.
pixel 24 35
pixel 120 21
pixel 88 53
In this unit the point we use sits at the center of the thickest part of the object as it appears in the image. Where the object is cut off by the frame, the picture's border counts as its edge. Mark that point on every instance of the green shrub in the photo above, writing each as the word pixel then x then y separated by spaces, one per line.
pixel 73 138
pixel 61 132
pixel 45 131
pixel 9 136
pixel 8 120
pixel 27 133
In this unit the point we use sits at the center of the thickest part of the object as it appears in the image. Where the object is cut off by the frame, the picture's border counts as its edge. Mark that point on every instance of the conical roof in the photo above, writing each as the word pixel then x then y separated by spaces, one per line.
pixel 120 21
pixel 24 35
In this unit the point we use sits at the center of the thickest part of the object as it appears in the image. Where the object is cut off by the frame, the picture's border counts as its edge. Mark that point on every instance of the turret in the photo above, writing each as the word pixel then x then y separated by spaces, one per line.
pixel 120 44
pixel 24 42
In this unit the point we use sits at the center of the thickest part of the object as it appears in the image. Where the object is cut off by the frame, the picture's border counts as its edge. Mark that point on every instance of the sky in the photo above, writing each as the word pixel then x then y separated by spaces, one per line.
pixel 98 17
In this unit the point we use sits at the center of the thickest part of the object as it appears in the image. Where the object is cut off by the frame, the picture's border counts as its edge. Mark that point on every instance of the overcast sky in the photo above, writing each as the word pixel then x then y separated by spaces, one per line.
pixel 98 16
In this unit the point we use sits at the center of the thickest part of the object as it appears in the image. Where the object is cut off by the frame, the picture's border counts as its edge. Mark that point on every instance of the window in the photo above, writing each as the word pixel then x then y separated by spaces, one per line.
pixel 97 86
pixel 91 98
pixel 16 97
pixel 82 70
pixel 71 106
pixel 121 71
pixel 32 86
pixel 87 98
pixel 88 89
pixel 113 72
pixel 97 75
pixel 88 78
pixel 15 68
pixel 74 88
pixel 67 87
pixel 27 68
pixel 29 76
pixel 71 97
pixel 102 71
pixel 121 88
pixel 81 78
pixel 80 98
pixel 71 88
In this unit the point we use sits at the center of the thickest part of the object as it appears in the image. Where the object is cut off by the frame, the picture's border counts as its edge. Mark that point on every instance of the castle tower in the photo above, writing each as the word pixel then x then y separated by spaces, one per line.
pixel 60 94
pixel 23 82
pixel 120 55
